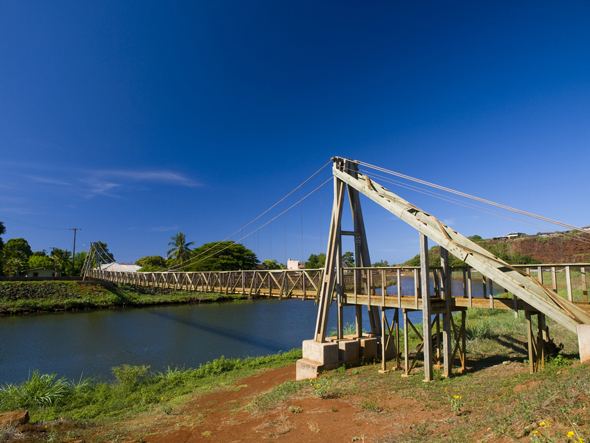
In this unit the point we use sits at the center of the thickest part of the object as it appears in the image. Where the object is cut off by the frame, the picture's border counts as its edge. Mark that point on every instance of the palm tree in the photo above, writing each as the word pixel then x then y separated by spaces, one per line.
pixel 180 250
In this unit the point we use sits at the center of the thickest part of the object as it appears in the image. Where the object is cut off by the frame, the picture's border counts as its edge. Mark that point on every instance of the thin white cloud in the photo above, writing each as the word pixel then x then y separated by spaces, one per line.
pixel 164 228
pixel 49 181
pixel 97 187
pixel 98 182
pixel 149 176
pixel 20 211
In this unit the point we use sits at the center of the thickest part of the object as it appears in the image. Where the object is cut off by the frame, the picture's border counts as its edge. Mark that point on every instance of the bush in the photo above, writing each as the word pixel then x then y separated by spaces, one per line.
pixel 38 390
pixel 129 376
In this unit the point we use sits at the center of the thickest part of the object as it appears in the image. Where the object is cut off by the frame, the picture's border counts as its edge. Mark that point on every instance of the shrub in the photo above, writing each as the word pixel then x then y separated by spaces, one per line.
pixel 38 390
pixel 129 376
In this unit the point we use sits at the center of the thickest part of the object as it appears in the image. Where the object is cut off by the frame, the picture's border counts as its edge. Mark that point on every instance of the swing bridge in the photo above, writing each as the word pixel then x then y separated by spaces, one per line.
pixel 442 293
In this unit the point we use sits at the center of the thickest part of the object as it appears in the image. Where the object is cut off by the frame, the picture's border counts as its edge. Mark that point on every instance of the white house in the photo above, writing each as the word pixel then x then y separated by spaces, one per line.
pixel 120 267
pixel 294 265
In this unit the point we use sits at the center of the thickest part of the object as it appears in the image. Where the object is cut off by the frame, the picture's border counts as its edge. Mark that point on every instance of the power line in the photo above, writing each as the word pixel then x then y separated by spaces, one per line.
pixel 33 224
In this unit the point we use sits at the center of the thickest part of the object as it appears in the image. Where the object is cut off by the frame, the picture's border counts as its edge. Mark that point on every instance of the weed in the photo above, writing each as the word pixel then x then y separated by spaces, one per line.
pixel 129 376
pixel 277 394
pixel 322 388
pixel 371 406
pixel 456 403
pixel 38 390
pixel 206 433
pixel 334 409
pixel 296 409
pixel 313 426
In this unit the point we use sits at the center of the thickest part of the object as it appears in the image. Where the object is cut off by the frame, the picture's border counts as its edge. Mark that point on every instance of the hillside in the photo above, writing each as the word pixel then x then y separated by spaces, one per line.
pixel 568 247
pixel 561 248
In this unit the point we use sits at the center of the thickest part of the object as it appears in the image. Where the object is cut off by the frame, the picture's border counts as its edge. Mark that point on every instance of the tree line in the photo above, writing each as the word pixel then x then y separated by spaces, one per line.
pixel 17 257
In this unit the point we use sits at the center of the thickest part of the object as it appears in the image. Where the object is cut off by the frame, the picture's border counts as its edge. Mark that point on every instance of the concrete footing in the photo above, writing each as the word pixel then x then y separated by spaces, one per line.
pixel 318 357
pixel 584 342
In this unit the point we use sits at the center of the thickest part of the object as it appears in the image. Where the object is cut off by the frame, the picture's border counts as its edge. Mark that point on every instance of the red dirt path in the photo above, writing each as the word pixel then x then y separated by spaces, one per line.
pixel 218 417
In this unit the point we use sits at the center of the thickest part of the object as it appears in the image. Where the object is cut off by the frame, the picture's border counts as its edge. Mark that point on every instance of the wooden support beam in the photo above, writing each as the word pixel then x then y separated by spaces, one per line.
pixel 447 315
pixel 425 289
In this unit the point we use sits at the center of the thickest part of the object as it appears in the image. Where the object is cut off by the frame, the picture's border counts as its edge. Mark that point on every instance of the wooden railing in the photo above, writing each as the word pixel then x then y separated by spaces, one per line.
pixel 389 287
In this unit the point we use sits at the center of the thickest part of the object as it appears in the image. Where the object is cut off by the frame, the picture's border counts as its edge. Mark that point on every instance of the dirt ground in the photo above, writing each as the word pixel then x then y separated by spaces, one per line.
pixel 220 417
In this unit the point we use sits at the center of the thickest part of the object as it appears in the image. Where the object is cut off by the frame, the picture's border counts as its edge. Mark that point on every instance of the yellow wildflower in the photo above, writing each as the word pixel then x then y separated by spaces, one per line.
pixel 535 432
pixel 570 434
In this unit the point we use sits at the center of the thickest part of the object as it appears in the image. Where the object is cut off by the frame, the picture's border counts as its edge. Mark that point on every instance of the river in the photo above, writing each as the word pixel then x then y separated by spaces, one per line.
pixel 90 343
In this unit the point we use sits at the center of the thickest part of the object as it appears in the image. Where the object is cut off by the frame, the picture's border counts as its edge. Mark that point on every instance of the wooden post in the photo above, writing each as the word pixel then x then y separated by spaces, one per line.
pixel 425 289
pixel 399 288
pixel 464 340
pixel 469 288
pixel 541 340
pixel 384 340
pixel 329 280
pixel 406 345
pixel 446 292
pixel 568 282
pixel 554 279
pixel 361 247
pixel 584 285
pixel 530 339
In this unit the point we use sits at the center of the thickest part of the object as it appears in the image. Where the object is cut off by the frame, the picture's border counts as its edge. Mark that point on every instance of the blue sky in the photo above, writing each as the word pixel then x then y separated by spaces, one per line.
pixel 135 120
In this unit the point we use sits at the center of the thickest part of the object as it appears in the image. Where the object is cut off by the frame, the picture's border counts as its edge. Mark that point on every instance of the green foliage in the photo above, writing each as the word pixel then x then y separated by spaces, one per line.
pixel 316 261
pixel 2 232
pixel 40 261
pixel 272 264
pixel 38 390
pixel 276 395
pixel 104 250
pixel 15 245
pixel 371 406
pixel 348 259
pixel 134 391
pixel 154 263
pixel 129 376
pixel 475 238
pixel 62 260
pixel 223 256
pixel 180 250
pixel 381 264
pixel 16 263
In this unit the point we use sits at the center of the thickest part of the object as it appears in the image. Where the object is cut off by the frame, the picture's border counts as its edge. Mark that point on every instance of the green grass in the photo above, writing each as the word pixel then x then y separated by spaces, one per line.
pixel 21 297
pixel 134 391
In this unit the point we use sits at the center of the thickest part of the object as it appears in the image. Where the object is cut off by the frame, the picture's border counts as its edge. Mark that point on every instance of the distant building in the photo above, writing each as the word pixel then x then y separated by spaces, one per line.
pixel 294 265
pixel 42 272
pixel 510 235
pixel 120 267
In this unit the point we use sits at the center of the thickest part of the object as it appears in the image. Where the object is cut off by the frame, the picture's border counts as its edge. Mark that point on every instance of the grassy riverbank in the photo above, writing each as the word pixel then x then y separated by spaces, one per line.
pixel 497 400
pixel 28 297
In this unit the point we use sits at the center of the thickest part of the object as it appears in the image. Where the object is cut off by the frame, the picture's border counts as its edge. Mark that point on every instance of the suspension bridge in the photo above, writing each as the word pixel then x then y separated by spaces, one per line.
pixel 442 293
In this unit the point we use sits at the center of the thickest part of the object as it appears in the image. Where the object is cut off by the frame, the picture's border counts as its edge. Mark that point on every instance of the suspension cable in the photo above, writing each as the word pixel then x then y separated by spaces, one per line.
pixel 463 194
pixel 466 204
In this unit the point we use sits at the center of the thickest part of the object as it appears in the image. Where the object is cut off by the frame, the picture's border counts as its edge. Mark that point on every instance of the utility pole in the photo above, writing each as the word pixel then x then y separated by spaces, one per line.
pixel 74 251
